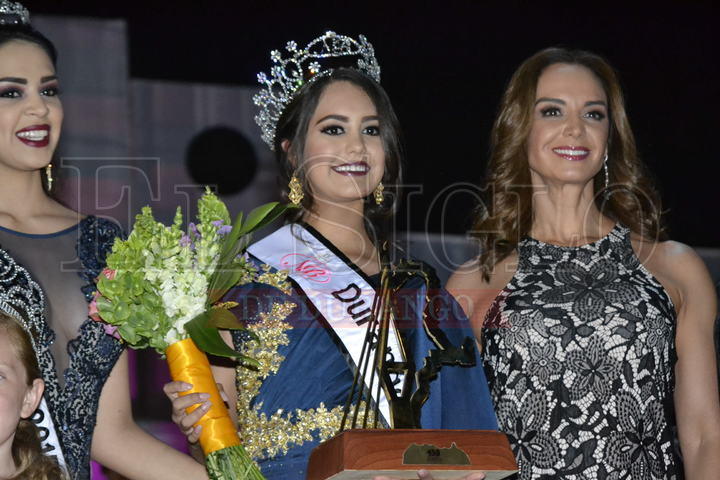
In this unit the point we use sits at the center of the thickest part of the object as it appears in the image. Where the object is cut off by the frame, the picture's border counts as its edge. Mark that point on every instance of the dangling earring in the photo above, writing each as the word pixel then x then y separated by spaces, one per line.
pixel 296 192
pixel 378 193
pixel 49 177
pixel 607 175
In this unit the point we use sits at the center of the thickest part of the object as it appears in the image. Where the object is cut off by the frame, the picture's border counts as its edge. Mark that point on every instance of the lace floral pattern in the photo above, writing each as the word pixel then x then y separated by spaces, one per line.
pixel 579 352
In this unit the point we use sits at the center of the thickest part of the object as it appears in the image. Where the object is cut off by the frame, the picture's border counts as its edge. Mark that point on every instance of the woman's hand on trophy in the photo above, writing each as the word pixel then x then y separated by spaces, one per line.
pixel 427 475
pixel 186 421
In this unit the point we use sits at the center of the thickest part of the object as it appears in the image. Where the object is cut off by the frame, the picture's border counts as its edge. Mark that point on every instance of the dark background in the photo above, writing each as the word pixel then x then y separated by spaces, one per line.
pixel 445 65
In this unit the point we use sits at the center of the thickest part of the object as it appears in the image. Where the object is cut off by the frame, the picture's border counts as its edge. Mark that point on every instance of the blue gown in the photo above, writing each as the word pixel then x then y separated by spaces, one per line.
pixel 314 377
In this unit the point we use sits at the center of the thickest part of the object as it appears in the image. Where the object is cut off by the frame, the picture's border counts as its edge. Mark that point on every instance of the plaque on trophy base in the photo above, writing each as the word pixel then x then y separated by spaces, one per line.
pixel 362 454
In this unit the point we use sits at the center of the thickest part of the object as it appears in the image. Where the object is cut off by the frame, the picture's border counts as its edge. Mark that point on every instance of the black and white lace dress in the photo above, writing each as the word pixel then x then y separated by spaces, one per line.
pixel 579 353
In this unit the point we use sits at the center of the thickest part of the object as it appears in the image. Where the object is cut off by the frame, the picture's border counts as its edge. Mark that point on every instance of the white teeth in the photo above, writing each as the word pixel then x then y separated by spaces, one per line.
pixel 351 168
pixel 576 153
pixel 34 135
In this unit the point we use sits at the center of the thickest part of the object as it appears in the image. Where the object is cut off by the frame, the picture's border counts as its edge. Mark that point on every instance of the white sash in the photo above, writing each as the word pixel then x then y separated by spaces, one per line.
pixel 48 436
pixel 339 293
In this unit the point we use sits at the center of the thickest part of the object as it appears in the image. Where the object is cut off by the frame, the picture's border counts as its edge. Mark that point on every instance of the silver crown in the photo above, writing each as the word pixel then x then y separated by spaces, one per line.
pixel 13 13
pixel 303 66
pixel 21 298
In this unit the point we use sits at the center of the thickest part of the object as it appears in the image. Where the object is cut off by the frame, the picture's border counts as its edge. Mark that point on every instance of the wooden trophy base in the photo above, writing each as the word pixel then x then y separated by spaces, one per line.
pixel 362 454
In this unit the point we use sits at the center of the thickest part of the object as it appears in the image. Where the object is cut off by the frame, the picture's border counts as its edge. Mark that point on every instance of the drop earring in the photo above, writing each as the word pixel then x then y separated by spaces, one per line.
pixel 378 193
pixel 296 192
pixel 49 177
pixel 607 175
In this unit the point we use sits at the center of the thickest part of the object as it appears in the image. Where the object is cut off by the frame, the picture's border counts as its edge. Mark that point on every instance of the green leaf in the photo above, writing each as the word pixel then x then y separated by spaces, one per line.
pixel 223 318
pixel 263 215
pixel 105 309
pixel 208 340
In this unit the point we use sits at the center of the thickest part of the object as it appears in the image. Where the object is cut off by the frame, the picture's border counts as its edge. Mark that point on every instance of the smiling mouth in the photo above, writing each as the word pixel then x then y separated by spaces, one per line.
pixel 35 136
pixel 572 153
pixel 352 169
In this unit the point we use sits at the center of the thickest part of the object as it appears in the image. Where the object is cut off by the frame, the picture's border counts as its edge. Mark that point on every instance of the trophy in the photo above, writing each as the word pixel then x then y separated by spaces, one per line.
pixel 361 450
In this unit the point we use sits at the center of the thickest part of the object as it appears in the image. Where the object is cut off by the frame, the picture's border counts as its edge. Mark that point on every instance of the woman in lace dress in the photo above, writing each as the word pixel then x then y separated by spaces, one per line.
pixel 86 411
pixel 596 331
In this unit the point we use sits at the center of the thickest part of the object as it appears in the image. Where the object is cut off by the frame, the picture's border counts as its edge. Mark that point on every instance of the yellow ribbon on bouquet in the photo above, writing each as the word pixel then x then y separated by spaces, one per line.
pixel 188 364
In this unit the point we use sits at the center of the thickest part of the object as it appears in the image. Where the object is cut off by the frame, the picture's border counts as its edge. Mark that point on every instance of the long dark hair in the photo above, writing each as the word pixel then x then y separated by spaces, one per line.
pixel 293 126
pixel 28 34
pixel 631 197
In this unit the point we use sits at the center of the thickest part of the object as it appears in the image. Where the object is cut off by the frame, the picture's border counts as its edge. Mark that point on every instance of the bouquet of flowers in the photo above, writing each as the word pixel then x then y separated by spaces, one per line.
pixel 161 289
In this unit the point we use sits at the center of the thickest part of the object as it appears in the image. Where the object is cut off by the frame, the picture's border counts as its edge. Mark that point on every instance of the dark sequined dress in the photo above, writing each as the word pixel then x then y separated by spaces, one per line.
pixel 76 355
pixel 579 354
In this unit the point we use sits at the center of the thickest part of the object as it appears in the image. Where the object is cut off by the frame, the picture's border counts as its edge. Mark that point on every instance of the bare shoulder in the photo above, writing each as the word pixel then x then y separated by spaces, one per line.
pixel 677 267
pixel 473 292
pixel 468 275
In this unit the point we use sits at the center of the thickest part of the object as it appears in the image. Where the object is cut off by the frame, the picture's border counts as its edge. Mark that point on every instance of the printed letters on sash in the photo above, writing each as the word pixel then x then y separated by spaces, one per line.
pixel 341 295
pixel 48 436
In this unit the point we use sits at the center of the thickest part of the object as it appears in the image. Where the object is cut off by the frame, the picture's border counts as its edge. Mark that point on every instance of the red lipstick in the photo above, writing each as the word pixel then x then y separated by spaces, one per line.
pixel 37 136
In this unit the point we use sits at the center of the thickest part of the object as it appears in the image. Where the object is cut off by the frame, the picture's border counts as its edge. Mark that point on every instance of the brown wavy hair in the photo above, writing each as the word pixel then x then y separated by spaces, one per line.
pixel 30 462
pixel 630 199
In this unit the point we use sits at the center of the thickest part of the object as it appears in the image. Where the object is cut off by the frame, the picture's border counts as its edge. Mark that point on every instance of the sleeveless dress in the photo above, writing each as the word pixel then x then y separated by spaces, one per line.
pixel 579 353
pixel 75 354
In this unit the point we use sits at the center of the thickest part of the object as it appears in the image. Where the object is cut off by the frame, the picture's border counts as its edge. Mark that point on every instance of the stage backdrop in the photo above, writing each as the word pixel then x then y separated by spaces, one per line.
pixel 133 142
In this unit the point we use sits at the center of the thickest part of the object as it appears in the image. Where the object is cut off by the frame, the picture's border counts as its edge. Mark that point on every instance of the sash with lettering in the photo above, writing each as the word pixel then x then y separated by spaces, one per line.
pixel 22 298
pixel 339 293
pixel 48 436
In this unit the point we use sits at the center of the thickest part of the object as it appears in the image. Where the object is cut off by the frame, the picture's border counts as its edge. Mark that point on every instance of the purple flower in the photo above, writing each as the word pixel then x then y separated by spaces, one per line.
pixel 111 330
pixel 222 228
pixel 185 241
pixel 193 229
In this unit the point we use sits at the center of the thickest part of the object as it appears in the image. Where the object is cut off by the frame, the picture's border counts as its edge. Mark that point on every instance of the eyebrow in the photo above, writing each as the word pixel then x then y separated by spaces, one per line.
pixel 343 118
pixel 562 102
pixel 23 81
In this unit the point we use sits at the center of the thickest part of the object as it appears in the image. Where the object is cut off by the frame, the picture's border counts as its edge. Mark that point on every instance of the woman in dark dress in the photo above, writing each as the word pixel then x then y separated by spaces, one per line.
pixel 596 331
pixel 86 412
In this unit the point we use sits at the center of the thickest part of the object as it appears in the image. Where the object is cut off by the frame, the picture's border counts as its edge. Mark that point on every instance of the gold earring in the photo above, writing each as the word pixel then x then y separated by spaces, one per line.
pixel 296 192
pixel 49 177
pixel 379 194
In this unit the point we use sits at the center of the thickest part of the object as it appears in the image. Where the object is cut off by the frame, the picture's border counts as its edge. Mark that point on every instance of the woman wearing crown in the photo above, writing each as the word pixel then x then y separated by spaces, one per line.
pixel 86 407
pixel 336 137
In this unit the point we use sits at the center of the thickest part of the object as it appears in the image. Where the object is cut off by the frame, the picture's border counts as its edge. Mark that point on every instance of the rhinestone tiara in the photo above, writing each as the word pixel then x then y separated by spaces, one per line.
pixel 304 65
pixel 13 13
pixel 20 297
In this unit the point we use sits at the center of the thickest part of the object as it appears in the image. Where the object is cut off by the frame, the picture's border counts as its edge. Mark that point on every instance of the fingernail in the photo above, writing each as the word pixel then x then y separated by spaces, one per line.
pixel 204 396
pixel 198 428
pixel 186 386
pixel 206 406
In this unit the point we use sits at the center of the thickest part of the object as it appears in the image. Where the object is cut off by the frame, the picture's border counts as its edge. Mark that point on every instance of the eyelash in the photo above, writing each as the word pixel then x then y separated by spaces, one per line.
pixel 555 112
pixel 545 112
pixel 14 92
pixel 333 130
pixel 367 130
